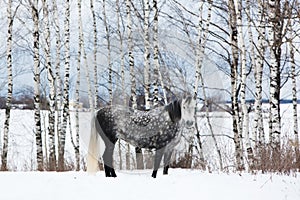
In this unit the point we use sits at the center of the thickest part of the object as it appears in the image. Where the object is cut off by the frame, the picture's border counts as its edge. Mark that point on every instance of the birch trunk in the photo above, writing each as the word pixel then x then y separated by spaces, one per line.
pixel 36 60
pixel 122 72
pixel 130 55
pixel 61 149
pixel 200 49
pixel 108 53
pixel 95 54
pixel 9 87
pixel 234 87
pixel 156 72
pixel 77 88
pixel 57 69
pixel 258 129
pixel 294 93
pixel 275 54
pixel 146 55
pixel 155 55
pixel 245 115
pixel 51 79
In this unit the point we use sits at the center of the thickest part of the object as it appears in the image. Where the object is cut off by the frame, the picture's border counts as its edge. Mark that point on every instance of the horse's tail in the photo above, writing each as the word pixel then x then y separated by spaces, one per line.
pixel 94 148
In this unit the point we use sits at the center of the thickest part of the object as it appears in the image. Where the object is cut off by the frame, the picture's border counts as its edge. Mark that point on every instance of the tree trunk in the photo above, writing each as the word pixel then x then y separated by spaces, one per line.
pixel 95 55
pixel 146 55
pixel 107 31
pixel 58 76
pixel 245 115
pixel 200 49
pixel 130 55
pixel 51 79
pixel 258 128
pixel 234 87
pixel 294 93
pixel 155 55
pixel 275 38
pixel 61 149
pixel 122 72
pixel 77 88
pixel 9 87
pixel 36 59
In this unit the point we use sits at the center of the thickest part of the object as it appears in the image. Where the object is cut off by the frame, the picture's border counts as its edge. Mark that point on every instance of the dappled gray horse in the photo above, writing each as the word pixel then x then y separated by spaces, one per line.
pixel 158 129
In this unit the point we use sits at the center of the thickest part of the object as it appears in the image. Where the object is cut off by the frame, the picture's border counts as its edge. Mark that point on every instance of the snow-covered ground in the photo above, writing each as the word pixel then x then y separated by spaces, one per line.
pixel 179 184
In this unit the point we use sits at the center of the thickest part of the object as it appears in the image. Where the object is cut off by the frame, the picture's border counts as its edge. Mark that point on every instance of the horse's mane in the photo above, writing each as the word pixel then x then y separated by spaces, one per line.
pixel 174 110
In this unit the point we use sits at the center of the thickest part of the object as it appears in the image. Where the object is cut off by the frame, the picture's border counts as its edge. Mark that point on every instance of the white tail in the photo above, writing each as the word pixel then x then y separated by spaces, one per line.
pixel 94 149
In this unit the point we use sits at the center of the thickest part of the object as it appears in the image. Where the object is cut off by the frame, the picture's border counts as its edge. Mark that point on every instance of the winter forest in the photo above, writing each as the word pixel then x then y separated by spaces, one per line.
pixel 61 60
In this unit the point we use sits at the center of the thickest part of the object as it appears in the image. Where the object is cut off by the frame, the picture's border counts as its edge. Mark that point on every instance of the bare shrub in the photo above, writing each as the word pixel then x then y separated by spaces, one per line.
pixel 282 160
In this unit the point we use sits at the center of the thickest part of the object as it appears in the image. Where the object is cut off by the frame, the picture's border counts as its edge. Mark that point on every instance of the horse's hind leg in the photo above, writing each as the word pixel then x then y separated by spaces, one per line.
pixel 158 156
pixel 167 158
pixel 108 160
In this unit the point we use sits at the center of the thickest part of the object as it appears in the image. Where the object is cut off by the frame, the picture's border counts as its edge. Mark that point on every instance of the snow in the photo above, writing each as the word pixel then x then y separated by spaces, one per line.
pixel 179 184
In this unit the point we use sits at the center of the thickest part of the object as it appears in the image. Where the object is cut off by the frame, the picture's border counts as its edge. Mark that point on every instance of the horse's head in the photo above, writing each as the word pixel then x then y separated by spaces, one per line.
pixel 188 105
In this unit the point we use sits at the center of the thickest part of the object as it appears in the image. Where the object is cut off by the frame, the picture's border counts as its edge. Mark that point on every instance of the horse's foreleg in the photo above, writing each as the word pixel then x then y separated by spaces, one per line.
pixel 158 156
pixel 167 157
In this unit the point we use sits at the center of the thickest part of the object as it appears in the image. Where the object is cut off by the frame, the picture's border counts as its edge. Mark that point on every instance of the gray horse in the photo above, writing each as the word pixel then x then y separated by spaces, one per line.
pixel 159 129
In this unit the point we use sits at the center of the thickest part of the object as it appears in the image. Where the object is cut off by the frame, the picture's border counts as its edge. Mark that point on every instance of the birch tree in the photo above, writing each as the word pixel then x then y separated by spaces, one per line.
pixel 107 32
pixel 294 87
pixel 275 40
pixel 200 49
pixel 36 60
pixel 62 134
pixel 131 65
pixel 77 88
pixel 258 129
pixel 245 115
pixel 156 69
pixel 234 86
pixel 119 18
pixel 9 86
pixel 130 55
pixel 146 55
pixel 95 54
pixel 51 79
pixel 57 70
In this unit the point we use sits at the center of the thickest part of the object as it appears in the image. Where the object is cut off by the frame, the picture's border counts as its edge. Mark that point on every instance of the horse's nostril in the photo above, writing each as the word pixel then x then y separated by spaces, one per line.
pixel 189 123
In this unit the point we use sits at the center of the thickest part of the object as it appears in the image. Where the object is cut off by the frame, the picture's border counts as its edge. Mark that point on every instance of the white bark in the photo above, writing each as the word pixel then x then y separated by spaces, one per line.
pixel 258 132
pixel 234 87
pixel 51 79
pixel 77 88
pixel 107 32
pixel 200 49
pixel 157 73
pixel 122 72
pixel 146 55
pixel 245 115
pixel 57 69
pixel 95 54
pixel 61 150
pixel 9 87
pixel 274 42
pixel 130 54
pixel 294 93
pixel 36 60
